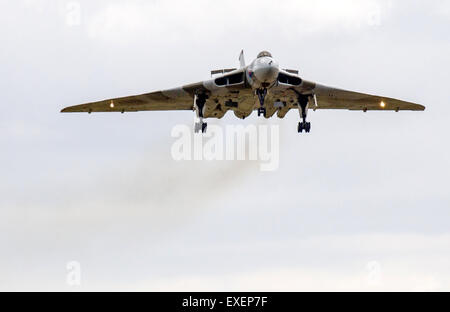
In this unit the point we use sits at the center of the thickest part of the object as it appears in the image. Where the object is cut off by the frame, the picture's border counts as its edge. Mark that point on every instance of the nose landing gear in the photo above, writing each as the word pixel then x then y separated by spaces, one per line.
pixel 261 93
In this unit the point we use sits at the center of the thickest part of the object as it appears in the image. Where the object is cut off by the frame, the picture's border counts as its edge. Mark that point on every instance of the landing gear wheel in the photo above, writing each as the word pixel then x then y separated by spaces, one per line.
pixel 261 111
pixel 201 127
pixel 304 126
pixel 308 127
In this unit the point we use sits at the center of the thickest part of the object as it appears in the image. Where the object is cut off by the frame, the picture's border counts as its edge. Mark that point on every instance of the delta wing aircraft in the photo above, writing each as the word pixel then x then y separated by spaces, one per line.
pixel 261 86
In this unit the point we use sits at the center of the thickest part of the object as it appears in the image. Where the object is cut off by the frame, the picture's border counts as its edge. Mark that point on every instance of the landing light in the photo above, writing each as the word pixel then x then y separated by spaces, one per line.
pixel 382 104
pixel 112 104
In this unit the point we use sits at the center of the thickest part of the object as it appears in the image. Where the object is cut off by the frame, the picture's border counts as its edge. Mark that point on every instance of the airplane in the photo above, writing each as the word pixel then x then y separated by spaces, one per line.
pixel 262 86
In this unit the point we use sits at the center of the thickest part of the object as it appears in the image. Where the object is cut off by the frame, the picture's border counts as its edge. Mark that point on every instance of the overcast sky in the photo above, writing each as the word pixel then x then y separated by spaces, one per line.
pixel 362 203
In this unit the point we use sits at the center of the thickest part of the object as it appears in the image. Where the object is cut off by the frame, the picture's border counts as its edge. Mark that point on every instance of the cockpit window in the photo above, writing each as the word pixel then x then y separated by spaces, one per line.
pixel 264 54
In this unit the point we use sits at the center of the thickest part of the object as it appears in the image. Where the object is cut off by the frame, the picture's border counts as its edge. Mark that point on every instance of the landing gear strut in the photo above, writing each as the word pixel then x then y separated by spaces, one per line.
pixel 262 93
pixel 201 127
pixel 199 104
pixel 303 108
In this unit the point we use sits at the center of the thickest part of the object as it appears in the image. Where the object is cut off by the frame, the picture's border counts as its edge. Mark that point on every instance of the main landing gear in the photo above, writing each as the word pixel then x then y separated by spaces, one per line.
pixel 261 93
pixel 303 108
pixel 199 104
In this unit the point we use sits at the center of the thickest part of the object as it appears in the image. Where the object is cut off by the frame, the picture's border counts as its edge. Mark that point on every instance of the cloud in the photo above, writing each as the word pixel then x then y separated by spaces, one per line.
pixel 418 267
pixel 101 189
pixel 187 21
pixel 322 263
pixel 442 8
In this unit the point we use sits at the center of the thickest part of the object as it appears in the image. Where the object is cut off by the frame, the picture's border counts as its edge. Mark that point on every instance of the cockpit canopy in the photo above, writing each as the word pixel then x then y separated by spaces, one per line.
pixel 264 54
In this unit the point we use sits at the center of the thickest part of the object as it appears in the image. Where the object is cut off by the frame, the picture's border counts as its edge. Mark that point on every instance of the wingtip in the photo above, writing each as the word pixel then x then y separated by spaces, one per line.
pixel 420 108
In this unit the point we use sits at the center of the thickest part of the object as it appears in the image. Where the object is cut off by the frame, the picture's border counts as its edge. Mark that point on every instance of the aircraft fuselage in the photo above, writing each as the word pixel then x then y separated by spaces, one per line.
pixel 262 72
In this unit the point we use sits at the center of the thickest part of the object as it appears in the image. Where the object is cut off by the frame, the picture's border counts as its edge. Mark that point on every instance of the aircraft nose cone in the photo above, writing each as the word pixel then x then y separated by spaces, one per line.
pixel 267 71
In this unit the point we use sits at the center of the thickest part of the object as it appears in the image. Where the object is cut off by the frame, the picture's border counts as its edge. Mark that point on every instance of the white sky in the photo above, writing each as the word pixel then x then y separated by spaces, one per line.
pixel 361 189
